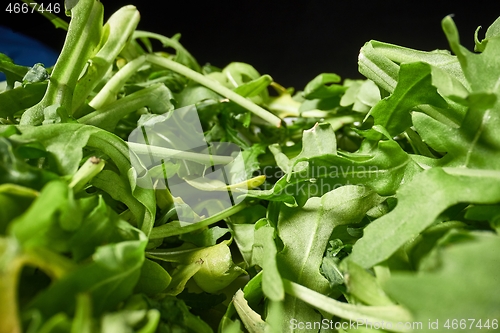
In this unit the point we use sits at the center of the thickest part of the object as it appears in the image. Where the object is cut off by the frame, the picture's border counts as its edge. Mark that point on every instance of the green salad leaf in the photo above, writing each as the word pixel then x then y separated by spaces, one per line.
pixel 457 253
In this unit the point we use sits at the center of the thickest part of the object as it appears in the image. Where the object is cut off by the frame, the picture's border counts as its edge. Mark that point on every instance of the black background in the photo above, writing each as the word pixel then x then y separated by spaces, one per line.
pixel 291 41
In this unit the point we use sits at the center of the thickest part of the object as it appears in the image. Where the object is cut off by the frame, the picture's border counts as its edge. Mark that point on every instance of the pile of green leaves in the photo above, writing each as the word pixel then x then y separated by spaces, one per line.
pixel 367 201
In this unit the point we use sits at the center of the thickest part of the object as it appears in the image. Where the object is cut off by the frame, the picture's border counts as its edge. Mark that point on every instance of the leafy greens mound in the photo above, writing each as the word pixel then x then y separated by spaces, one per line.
pixel 363 205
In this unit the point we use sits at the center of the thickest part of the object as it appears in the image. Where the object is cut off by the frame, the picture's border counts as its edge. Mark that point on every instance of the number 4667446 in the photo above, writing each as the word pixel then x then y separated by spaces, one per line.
pixel 471 324
pixel 25 8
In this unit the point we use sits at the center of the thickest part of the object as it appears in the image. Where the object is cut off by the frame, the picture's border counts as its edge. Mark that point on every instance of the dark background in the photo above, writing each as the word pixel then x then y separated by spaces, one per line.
pixel 291 41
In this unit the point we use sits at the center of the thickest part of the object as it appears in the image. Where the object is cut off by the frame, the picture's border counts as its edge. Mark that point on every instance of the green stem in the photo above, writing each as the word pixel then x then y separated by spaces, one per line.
pixel 86 172
pixel 390 314
pixel 215 86
pixel 156 97
pixel 252 320
pixel 13 260
pixel 181 54
pixel 113 86
pixel 83 36
pixel 184 155
pixel 174 228
pixel 116 32
pixel 9 280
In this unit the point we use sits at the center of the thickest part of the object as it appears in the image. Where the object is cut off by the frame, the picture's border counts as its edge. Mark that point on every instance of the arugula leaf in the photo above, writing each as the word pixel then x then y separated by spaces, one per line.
pixel 176 315
pixel 21 98
pixel 48 220
pixel 109 278
pixel 12 71
pixel 264 253
pixel 491 32
pixel 60 139
pixel 65 138
pixel 14 199
pixel 305 233
pixel 15 170
pixel 323 86
pixel 379 169
pixel 207 237
pixel 380 62
pixel 466 259
pixel 361 94
pixel 437 189
pixel 216 269
pixel 153 279
pixel 412 90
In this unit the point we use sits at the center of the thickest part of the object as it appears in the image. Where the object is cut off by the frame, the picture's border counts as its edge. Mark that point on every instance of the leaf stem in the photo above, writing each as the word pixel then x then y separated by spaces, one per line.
pixel 113 86
pixel 390 314
pixel 174 228
pixel 83 36
pixel 185 155
pixel 156 97
pixel 119 29
pixel 88 170
pixel 215 86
